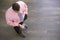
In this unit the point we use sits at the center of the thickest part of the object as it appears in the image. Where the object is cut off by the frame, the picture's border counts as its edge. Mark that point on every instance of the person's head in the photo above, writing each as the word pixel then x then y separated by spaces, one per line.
pixel 15 7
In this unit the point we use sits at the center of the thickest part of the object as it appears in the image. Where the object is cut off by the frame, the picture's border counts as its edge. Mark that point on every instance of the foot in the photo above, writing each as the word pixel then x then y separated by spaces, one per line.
pixel 22 35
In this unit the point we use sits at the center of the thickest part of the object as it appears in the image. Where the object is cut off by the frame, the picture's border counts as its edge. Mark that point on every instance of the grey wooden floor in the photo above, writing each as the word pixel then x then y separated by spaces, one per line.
pixel 43 20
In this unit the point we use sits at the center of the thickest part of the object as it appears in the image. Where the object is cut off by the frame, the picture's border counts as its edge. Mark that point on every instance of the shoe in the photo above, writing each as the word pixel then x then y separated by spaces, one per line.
pixel 22 35
pixel 26 27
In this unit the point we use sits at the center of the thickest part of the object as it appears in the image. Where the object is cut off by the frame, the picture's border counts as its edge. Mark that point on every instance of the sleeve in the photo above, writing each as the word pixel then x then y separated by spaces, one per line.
pixel 10 21
pixel 25 9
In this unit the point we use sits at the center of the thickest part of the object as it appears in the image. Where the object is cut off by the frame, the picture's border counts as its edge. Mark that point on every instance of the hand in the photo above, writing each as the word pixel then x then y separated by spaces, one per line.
pixel 21 26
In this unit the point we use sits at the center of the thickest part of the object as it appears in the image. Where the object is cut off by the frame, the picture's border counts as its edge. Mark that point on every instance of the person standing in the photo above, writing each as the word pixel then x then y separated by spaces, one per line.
pixel 16 15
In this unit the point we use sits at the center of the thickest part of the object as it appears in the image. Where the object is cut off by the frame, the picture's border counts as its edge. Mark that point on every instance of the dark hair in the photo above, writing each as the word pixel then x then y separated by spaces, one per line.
pixel 15 6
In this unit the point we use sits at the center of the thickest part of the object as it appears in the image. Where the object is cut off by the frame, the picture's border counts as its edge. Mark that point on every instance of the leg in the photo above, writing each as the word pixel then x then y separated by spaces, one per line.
pixel 25 17
pixel 19 31
pixel 24 20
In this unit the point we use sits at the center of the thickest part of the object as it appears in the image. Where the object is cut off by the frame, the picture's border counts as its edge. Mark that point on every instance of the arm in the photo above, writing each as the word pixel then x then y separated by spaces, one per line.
pixel 26 9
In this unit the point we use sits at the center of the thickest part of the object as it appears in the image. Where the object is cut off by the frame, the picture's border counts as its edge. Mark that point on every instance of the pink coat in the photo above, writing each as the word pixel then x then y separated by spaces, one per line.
pixel 12 17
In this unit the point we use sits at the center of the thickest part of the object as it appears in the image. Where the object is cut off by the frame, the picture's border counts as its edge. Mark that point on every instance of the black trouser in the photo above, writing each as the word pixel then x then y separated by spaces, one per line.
pixel 17 29
pixel 24 19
